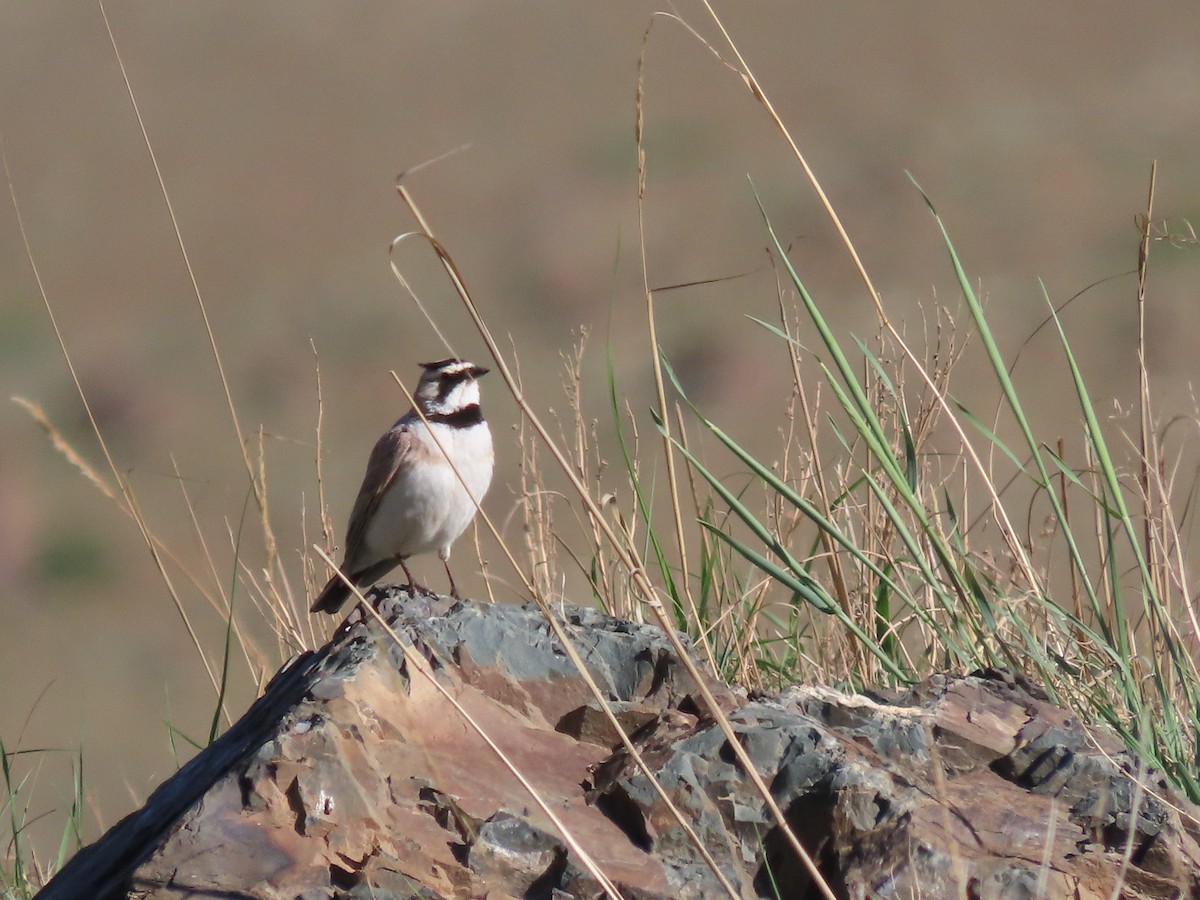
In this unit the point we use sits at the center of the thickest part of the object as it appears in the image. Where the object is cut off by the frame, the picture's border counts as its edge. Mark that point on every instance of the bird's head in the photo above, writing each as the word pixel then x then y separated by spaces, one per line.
pixel 448 386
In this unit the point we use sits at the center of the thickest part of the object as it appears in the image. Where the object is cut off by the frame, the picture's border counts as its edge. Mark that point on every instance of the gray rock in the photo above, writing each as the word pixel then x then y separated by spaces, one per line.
pixel 353 777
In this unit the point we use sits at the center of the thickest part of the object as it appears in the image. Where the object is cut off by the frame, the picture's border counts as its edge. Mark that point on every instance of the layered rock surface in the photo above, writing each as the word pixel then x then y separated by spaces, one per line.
pixel 353 777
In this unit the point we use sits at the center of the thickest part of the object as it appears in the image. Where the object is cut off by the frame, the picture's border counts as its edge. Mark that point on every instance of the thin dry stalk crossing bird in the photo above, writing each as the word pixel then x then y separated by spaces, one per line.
pixel 423 484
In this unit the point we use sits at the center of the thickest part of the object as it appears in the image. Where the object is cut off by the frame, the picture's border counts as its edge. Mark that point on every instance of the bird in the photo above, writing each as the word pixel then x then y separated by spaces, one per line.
pixel 424 481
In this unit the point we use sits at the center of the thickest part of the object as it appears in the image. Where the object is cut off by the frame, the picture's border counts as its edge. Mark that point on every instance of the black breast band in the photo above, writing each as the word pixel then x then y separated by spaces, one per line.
pixel 463 418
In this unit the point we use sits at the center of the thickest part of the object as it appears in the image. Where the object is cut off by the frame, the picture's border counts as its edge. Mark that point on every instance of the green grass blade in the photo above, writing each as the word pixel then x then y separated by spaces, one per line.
pixel 811 593
pixel 215 727
pixel 643 502
pixel 846 372
pixel 910 447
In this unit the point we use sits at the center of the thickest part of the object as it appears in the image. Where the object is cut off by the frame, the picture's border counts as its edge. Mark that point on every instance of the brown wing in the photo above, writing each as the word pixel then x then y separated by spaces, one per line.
pixel 392 453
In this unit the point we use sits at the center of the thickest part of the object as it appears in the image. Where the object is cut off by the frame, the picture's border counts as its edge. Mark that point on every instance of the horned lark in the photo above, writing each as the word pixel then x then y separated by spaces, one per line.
pixel 411 500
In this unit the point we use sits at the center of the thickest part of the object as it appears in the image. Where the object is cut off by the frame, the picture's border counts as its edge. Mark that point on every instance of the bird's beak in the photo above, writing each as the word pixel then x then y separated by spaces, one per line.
pixel 477 371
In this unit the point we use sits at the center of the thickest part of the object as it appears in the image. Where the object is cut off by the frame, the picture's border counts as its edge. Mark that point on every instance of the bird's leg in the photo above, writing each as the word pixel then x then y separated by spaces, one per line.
pixel 412 585
pixel 453 586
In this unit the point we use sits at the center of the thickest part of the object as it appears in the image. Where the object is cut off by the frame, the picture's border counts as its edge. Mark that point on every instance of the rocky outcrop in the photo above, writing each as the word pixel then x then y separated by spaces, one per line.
pixel 353 777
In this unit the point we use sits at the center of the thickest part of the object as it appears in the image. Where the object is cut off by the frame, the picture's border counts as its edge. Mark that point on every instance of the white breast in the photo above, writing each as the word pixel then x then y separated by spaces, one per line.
pixel 427 507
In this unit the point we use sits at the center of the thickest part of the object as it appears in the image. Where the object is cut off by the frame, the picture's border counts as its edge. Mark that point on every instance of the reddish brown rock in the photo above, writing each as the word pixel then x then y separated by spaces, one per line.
pixel 353 777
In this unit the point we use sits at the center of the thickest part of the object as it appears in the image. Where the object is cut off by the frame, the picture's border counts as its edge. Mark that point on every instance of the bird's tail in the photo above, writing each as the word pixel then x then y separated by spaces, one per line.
pixel 332 596
pixel 337 592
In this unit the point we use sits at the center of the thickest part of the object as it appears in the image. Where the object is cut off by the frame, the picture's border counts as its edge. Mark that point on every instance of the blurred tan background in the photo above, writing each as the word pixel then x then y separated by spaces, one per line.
pixel 280 128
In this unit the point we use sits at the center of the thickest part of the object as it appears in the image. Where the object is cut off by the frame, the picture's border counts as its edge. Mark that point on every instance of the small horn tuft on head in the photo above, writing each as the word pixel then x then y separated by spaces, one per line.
pixel 441 364
pixel 453 368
